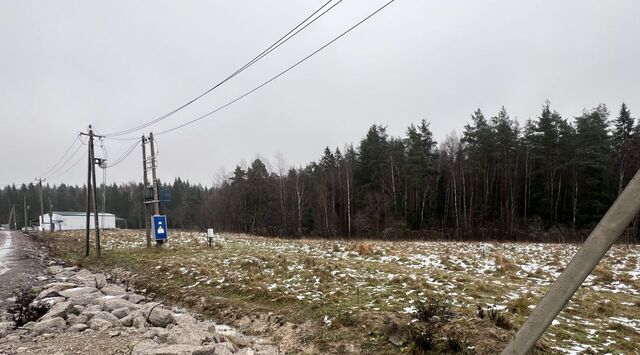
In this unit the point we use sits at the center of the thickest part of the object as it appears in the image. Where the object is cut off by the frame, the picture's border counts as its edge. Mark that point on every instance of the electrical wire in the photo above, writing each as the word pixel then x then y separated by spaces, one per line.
pixel 75 140
pixel 125 155
pixel 278 75
pixel 75 152
pixel 297 29
pixel 69 168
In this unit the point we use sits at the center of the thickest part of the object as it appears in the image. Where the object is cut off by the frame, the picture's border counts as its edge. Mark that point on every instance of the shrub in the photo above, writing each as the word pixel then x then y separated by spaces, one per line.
pixel 520 305
pixel 364 249
pixel 503 263
pixel 433 307
pixel 498 318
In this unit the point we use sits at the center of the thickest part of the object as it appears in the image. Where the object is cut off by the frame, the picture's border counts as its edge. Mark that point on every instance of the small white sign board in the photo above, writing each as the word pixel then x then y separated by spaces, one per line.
pixel 210 233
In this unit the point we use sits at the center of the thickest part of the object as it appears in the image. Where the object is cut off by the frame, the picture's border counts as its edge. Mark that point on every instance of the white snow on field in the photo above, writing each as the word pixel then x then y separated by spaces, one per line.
pixel 393 276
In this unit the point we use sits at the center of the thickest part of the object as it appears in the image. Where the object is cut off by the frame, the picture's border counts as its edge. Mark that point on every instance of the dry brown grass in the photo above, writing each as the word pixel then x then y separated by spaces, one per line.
pixel 602 274
pixel 503 263
pixel 364 249
pixel 520 305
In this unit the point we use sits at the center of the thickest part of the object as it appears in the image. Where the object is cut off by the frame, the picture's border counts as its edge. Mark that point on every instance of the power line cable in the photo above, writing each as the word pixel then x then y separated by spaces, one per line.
pixel 265 52
pixel 59 168
pixel 278 75
pixel 75 140
pixel 69 168
pixel 125 155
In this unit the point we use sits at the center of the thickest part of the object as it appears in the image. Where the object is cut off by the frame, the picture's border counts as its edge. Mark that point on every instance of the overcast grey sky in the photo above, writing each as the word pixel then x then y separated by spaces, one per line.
pixel 117 64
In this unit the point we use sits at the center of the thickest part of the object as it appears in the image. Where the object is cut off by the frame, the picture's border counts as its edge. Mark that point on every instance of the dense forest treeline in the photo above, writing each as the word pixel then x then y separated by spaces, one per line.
pixel 498 179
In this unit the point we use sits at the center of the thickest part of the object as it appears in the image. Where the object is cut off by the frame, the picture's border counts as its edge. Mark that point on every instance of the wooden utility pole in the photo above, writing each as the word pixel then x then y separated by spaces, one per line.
pixel 11 214
pixel 608 230
pixel 91 195
pixel 41 218
pixel 145 185
pixel 26 215
pixel 154 181
pixel 51 227
pixel 88 219
pixel 15 223
pixel 95 199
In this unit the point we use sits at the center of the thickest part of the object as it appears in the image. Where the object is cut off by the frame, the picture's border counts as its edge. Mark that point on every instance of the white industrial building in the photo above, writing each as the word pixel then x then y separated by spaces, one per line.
pixel 64 221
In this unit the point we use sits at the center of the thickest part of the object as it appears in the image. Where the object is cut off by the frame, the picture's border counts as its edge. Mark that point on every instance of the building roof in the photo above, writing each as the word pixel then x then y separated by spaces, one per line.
pixel 66 213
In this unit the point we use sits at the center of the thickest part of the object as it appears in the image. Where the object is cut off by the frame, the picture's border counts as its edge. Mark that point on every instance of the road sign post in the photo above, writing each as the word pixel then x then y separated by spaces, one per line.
pixel 159 223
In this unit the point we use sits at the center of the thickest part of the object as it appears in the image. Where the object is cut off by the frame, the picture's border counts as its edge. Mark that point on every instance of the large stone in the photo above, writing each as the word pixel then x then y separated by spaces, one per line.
pixel 94 308
pixel 54 269
pixel 113 290
pixel 53 289
pixel 48 302
pixel 84 277
pixel 73 319
pixel 135 298
pixel 160 317
pixel 139 322
pixel 127 320
pixel 99 324
pixel 106 316
pixel 111 304
pixel 61 309
pixel 86 299
pixel 78 291
pixel 53 325
pixel 101 280
pixel 121 312
pixel 190 334
pixel 183 349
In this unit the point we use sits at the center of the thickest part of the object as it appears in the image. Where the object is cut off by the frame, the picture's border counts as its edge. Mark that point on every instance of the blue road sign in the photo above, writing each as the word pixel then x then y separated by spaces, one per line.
pixel 159 227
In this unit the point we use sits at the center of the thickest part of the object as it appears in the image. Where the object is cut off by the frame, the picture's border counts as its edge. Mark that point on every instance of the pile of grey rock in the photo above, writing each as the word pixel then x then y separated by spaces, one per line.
pixel 82 301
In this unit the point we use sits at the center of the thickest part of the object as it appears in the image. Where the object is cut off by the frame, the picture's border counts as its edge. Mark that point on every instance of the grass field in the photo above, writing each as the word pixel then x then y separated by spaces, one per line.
pixel 334 296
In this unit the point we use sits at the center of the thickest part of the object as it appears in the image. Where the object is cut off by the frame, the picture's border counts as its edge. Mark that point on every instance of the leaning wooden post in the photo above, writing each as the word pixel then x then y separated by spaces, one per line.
pixel 610 227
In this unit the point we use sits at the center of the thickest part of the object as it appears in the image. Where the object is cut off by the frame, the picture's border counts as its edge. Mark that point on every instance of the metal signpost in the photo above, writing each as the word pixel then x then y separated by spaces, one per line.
pixel 159 223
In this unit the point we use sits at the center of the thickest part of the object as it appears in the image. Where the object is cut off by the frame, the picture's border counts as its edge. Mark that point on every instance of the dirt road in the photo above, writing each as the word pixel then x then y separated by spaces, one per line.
pixel 21 264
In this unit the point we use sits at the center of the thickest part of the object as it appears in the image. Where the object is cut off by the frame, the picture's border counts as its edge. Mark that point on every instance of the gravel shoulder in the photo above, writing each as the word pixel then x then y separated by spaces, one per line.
pixel 81 312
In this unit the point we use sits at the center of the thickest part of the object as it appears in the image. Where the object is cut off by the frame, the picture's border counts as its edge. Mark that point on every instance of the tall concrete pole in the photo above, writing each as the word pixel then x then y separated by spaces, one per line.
pixel 145 184
pixel 610 227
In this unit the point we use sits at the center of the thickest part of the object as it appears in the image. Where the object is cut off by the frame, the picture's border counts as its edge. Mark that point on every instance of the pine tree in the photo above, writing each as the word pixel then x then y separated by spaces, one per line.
pixel 593 155
pixel 622 142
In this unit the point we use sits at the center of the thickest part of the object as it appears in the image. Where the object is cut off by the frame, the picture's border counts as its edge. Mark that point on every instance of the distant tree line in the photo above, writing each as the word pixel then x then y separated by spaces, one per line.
pixel 498 179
